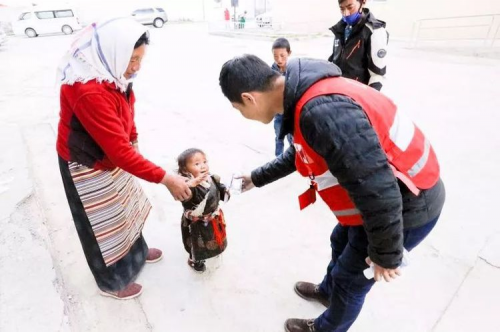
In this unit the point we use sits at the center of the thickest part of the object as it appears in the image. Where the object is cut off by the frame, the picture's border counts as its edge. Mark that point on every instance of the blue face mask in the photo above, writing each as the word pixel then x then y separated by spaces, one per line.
pixel 352 19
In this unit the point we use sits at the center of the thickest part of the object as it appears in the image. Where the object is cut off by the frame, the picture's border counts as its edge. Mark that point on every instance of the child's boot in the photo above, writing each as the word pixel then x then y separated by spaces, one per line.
pixel 198 266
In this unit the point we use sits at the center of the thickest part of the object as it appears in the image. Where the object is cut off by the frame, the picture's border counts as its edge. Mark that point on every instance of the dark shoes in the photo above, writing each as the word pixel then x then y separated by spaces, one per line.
pixel 133 290
pixel 299 325
pixel 311 292
pixel 154 255
pixel 198 266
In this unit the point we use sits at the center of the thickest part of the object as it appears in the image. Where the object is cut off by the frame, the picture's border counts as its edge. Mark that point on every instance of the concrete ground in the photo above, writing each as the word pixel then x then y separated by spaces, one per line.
pixel 45 284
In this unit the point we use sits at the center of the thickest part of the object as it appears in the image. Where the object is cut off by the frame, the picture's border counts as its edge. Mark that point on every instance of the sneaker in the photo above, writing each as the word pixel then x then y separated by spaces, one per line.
pixel 299 325
pixel 311 292
pixel 154 255
pixel 133 290
pixel 198 266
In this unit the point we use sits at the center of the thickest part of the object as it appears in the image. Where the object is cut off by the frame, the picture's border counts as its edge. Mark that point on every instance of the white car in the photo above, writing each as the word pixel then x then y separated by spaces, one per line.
pixel 154 16
pixel 264 20
pixel 41 21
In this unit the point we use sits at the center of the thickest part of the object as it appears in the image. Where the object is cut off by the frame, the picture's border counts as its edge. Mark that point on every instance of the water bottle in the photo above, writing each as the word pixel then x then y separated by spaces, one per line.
pixel 235 186
pixel 370 272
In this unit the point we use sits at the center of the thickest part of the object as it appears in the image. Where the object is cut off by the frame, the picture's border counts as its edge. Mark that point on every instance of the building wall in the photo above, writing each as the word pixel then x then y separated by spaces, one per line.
pixel 305 15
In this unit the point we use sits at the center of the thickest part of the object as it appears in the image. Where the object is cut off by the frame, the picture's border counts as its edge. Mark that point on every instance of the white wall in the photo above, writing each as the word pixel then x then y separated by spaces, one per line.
pixel 400 15
pixel 305 16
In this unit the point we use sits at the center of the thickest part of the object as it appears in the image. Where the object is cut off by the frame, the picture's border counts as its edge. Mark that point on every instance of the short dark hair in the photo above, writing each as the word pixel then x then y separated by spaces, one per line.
pixel 360 1
pixel 143 40
pixel 183 159
pixel 245 73
pixel 282 43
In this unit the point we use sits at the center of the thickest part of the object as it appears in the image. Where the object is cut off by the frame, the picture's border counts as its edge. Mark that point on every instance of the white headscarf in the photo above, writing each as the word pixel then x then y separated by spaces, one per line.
pixel 101 51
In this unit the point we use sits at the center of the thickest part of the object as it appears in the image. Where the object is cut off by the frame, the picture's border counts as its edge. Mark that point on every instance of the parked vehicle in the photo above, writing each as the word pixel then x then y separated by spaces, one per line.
pixel 264 20
pixel 154 16
pixel 42 21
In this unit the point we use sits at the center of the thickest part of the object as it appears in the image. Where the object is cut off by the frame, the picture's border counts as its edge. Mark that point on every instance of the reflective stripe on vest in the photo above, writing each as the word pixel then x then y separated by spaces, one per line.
pixel 340 204
pixel 325 180
pixel 402 131
pixel 419 165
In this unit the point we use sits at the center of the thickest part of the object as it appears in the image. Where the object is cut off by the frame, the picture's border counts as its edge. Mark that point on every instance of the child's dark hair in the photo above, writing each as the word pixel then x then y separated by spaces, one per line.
pixel 143 40
pixel 245 73
pixel 183 159
pixel 282 43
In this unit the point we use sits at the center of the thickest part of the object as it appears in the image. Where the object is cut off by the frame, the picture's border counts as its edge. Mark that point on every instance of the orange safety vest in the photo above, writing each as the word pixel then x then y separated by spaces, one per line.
pixel 409 153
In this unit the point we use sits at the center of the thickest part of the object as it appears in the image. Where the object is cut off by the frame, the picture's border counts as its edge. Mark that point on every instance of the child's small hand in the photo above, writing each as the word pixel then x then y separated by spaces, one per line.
pixel 193 182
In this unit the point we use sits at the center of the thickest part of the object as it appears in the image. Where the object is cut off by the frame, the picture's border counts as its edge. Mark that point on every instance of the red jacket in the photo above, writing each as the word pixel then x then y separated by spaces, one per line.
pixel 96 128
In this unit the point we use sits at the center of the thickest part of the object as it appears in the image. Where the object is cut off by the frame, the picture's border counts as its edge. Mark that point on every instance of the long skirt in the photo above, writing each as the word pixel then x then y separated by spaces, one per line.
pixel 109 209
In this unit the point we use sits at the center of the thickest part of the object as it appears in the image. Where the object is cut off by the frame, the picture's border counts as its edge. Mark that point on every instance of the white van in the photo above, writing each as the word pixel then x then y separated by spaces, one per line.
pixel 39 21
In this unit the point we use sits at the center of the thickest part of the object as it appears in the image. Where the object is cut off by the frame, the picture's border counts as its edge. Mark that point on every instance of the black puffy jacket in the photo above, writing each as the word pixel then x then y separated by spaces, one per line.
pixel 336 128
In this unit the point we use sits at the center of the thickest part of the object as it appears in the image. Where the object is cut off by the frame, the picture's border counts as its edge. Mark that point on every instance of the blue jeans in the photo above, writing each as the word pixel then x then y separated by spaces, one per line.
pixel 344 282
pixel 280 144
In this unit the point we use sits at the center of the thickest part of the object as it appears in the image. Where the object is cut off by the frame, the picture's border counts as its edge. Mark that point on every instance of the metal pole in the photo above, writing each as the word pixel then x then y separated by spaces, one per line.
pixel 489 30
pixel 203 5
pixel 495 36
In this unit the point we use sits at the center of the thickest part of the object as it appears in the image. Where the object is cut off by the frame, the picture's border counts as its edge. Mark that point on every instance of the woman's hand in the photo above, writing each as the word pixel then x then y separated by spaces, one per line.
pixel 177 186
pixel 246 182
pixel 135 145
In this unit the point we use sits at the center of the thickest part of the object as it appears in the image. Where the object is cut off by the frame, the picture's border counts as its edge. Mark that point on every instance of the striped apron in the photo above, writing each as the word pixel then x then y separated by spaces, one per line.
pixel 116 207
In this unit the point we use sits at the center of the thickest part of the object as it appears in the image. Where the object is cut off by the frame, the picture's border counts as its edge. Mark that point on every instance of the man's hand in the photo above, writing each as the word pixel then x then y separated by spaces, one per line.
pixel 177 186
pixel 246 182
pixel 380 272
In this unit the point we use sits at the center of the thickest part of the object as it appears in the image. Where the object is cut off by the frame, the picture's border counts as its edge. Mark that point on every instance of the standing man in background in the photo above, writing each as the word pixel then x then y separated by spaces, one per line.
pixel 360 44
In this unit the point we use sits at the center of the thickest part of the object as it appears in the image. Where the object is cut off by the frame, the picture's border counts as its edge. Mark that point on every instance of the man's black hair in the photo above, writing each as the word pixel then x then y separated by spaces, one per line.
pixel 143 40
pixel 282 43
pixel 245 73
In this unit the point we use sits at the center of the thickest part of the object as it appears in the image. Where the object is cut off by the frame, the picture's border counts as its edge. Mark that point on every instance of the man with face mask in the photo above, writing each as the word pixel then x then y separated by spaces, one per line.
pixel 360 45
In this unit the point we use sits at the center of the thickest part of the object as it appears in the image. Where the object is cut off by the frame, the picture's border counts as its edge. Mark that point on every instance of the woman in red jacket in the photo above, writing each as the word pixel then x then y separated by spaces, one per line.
pixel 99 157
